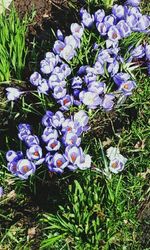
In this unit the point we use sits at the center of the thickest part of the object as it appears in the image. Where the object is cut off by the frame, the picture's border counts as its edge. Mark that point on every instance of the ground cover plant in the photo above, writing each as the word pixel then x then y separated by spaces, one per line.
pixel 87 110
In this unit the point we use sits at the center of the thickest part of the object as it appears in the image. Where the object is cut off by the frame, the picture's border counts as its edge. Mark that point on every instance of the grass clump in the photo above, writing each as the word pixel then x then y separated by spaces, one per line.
pixel 13 49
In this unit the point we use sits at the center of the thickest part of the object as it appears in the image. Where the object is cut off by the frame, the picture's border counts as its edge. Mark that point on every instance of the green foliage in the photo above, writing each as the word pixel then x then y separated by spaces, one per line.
pixel 103 3
pixel 13 48
pixel 98 215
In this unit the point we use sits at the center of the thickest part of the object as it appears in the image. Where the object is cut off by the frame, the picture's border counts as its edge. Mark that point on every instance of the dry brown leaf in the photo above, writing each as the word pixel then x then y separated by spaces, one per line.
pixel 107 142
pixel 140 144
pixel 31 232
pixel 4 4
pixel 143 174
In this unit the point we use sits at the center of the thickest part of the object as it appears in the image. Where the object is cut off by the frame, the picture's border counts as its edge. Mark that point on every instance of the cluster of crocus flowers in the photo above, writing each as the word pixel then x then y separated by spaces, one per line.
pixel 62 139
pixel 20 165
pixel 140 55
pixel 88 85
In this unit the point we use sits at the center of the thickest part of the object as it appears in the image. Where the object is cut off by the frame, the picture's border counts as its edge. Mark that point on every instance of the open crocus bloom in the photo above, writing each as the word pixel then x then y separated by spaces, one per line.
pixel 113 33
pixel 58 163
pixel 57 119
pixel 49 133
pixel 81 117
pixel 77 30
pixel 71 153
pixel 90 99
pixel 53 145
pixel 84 161
pixel 34 153
pixel 117 164
pixel 117 161
pixel 25 168
pixel 127 87
pixel 71 139
pixel 13 94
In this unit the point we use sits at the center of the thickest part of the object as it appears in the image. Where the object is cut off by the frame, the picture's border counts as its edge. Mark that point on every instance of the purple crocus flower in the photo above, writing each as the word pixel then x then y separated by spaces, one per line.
pixel 108 102
pixel 49 133
pixel 71 40
pixel 24 133
pixel 99 15
pixel 58 47
pixel 113 67
pixel 46 66
pixel 72 153
pixel 58 163
pixel 59 92
pixel 90 99
pixel 77 30
pixel 121 77
pixel 127 87
pixel 138 52
pixel 134 11
pixel 46 120
pixel 12 167
pixel 65 69
pixel 57 75
pixel 70 138
pixel 57 119
pixel 1 191
pixel 11 155
pixel 76 93
pixel 104 56
pixel 147 51
pixel 132 21
pixel 31 140
pixel 25 168
pixel 72 126
pixel 117 164
pixel 58 83
pixel 90 77
pixel 87 19
pixel 51 57
pixel 53 145
pixel 143 23
pixel 83 161
pixel 24 126
pixel 95 46
pixel 123 28
pixel 96 87
pixel 76 83
pixel 102 28
pixel 60 35
pixel 66 102
pixel 110 20
pixel 82 70
pixel 110 43
pixel 133 3
pixel 99 68
pixel 118 11
pixel 68 52
pixel 35 79
pixel 13 93
pixel 147 54
pixel 82 118
pixel 34 153
pixel 113 33
pixel 43 87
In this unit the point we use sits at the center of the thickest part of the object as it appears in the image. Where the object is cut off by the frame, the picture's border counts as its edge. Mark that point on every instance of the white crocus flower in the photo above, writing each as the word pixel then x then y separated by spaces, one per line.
pixel 117 161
